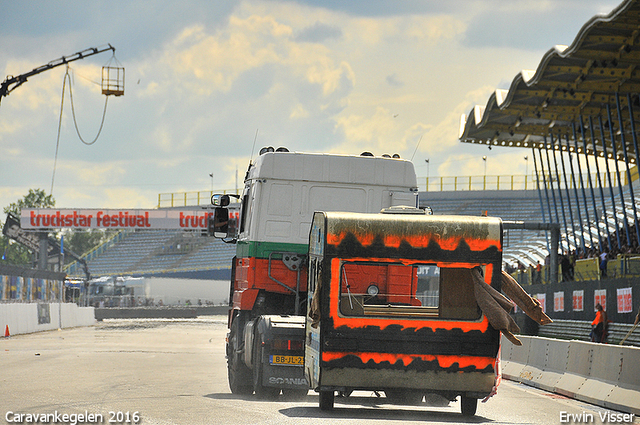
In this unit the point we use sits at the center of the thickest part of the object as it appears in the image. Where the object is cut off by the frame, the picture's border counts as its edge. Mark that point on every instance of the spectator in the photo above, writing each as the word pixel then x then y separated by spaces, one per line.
pixel 603 264
pixel 572 265
pixel 565 264
pixel 599 325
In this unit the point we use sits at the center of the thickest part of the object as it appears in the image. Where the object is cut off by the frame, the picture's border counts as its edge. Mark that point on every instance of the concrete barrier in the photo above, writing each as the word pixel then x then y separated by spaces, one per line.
pixel 536 360
pixel 514 358
pixel 601 374
pixel 627 390
pixel 23 318
pixel 555 364
pixel 577 370
pixel 160 312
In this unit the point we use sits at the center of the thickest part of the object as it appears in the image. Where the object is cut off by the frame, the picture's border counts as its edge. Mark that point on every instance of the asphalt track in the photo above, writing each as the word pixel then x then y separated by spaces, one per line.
pixel 160 371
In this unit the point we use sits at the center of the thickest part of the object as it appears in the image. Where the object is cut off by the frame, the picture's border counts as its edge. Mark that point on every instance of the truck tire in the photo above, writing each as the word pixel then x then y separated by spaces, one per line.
pixel 238 373
pixel 468 405
pixel 326 399
pixel 261 391
pixel 238 379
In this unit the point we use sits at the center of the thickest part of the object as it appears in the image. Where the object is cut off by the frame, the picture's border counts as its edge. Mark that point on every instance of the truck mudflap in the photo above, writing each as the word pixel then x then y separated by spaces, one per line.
pixel 291 377
pixel 279 347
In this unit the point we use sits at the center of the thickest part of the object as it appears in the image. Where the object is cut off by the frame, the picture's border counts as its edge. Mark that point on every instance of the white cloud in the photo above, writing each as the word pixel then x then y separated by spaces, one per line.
pixel 307 77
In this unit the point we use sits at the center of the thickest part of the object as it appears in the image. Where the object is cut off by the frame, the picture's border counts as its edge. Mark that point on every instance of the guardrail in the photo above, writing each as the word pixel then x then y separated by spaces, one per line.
pixel 513 182
pixel 624 265
pixel 428 184
pixel 184 199
pixel 601 374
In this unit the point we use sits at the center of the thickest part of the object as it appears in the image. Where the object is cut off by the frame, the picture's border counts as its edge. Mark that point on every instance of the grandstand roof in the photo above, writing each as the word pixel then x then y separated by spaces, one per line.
pixel 571 84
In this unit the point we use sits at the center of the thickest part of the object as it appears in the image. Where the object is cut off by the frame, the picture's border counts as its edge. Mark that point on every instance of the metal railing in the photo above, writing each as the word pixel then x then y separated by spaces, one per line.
pixel 624 265
pixel 428 184
pixel 507 182
pixel 184 199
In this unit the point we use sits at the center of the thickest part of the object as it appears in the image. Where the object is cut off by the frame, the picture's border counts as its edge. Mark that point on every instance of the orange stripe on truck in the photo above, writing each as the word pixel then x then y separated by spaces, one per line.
pixel 445 362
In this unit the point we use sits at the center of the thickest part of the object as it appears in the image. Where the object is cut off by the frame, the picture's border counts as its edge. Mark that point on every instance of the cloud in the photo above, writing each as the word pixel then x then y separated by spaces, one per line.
pixel 500 23
pixel 318 33
pixel 392 80
pixel 203 76
pixel 380 8
pixel 379 133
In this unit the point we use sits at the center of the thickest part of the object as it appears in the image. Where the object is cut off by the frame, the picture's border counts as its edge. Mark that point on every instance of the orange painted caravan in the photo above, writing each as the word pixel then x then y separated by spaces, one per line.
pixel 391 305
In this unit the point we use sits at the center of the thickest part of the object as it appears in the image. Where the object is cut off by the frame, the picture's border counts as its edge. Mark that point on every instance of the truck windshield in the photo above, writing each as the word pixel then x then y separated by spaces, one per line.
pixel 396 289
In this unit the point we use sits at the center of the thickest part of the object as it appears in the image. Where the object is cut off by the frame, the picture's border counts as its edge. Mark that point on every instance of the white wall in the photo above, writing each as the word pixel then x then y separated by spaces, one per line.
pixel 22 318
pixel 177 291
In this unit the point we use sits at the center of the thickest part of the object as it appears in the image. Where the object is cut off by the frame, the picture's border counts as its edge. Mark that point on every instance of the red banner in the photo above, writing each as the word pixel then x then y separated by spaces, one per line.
pixel 46 218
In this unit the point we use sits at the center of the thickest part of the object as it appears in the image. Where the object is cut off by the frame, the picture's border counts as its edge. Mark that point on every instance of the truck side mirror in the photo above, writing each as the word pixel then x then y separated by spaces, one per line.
pixel 218 225
pixel 220 200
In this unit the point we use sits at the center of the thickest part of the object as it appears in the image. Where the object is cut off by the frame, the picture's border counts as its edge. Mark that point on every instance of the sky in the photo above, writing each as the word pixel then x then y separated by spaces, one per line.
pixel 210 82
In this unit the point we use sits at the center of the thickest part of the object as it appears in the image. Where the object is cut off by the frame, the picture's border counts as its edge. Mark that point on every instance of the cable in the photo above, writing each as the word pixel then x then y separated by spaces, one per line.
pixel 75 123
pixel 73 112
pixel 55 158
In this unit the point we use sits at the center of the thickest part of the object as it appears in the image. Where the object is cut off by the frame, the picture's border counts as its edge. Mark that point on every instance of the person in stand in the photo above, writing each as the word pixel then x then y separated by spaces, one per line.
pixel 572 265
pixel 538 278
pixel 565 264
pixel 599 325
pixel 603 264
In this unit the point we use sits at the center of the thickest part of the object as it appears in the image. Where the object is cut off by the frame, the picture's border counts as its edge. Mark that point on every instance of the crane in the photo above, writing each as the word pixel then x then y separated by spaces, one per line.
pixel 11 83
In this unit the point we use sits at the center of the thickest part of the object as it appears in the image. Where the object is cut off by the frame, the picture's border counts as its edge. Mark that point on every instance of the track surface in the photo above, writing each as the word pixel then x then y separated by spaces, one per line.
pixel 174 372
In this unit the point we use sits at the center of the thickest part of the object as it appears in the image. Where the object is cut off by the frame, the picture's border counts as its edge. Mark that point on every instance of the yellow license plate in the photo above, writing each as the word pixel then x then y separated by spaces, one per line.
pixel 287 360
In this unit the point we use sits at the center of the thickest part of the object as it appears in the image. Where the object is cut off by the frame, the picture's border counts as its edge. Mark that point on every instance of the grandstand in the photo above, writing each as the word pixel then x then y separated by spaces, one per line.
pixel 529 247
pixel 163 253
pixel 190 254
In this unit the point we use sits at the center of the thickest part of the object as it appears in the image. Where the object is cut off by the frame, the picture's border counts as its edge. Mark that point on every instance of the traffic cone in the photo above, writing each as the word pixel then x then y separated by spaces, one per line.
pixel 6 332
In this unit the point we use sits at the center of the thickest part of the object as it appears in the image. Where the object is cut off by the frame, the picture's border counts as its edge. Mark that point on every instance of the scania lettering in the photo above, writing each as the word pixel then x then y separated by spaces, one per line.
pixel 268 293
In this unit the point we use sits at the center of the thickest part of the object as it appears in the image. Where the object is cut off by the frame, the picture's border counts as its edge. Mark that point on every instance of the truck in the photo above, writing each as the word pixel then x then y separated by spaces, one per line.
pixel 268 292
pixel 393 307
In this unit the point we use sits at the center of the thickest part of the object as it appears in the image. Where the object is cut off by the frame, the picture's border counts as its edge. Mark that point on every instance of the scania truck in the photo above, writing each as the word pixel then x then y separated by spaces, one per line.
pixel 268 292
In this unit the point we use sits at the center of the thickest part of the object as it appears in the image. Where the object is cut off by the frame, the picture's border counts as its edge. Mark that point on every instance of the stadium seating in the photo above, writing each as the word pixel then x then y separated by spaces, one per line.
pixel 149 252
pixel 162 251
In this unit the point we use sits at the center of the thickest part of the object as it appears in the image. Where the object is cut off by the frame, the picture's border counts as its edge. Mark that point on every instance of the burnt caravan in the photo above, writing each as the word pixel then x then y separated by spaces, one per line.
pixel 391 306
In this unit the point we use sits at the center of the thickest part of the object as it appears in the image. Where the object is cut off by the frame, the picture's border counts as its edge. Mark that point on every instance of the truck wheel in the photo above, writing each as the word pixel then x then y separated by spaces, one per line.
pixel 326 400
pixel 238 373
pixel 468 405
pixel 239 376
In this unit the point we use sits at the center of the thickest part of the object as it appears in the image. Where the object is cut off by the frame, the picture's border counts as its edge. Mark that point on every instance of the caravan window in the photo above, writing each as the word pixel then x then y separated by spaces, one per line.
pixel 396 289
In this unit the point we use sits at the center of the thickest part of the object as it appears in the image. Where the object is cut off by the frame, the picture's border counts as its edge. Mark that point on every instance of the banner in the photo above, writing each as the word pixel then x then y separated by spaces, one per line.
pixel 625 304
pixel 578 300
pixel 600 297
pixel 47 218
pixel 558 301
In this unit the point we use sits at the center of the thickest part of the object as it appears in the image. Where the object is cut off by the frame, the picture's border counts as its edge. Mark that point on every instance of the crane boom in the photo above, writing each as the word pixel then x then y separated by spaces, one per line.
pixel 11 82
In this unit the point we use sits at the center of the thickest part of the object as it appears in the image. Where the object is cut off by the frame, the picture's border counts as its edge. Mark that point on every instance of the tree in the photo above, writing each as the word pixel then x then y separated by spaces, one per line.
pixel 36 198
pixel 13 252
pixel 81 242
pixel 77 241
